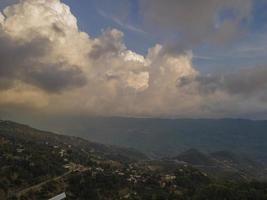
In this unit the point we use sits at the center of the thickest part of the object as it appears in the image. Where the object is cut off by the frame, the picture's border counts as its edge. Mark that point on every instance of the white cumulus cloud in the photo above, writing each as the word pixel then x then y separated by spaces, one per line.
pixel 48 65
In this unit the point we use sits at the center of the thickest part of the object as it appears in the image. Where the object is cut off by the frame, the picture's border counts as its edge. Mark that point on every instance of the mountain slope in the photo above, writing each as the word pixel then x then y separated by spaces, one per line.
pixel 19 132
pixel 36 164
pixel 195 157
pixel 224 164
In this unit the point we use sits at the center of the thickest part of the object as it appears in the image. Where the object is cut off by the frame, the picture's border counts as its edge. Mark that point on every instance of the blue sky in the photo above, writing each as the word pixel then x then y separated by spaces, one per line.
pixel 92 21
pixel 245 51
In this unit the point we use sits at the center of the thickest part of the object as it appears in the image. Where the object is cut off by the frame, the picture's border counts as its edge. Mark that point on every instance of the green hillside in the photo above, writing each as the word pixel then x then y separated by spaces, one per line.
pixel 36 164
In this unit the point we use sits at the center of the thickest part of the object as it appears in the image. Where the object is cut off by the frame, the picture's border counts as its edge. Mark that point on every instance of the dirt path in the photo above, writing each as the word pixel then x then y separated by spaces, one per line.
pixel 39 185
pixel 74 168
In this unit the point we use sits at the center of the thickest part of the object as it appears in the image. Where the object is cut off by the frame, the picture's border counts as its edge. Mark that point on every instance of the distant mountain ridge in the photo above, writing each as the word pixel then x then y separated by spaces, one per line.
pixel 169 137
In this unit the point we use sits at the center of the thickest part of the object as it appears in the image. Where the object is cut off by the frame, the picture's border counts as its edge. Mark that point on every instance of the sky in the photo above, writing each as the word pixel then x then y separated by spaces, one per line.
pixel 95 16
pixel 138 58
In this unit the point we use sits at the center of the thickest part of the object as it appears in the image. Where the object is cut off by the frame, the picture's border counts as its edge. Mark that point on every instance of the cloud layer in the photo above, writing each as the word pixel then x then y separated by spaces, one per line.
pixel 196 21
pixel 49 66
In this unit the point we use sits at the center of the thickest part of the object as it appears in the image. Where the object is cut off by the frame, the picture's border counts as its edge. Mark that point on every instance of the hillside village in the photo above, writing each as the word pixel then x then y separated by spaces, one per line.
pixel 40 165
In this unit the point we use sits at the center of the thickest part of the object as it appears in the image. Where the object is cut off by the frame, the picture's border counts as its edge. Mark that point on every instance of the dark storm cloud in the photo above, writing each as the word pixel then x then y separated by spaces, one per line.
pixel 54 78
pixel 247 82
pixel 15 57
pixel 20 61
